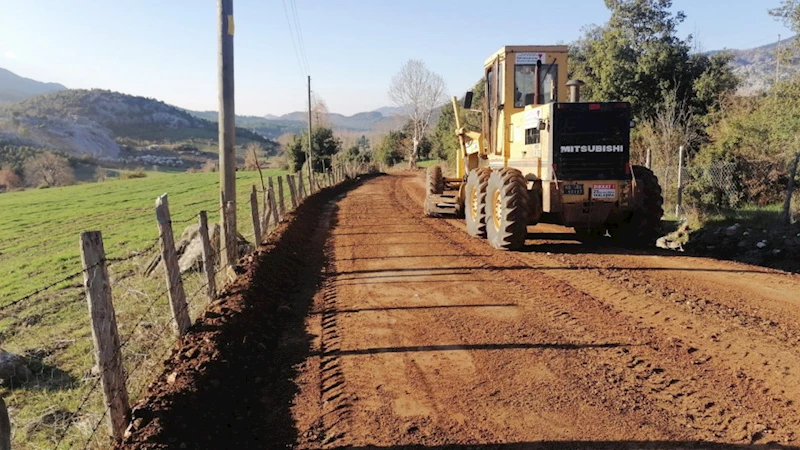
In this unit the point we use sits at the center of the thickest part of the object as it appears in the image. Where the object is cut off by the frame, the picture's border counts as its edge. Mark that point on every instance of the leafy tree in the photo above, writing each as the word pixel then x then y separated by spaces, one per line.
pixel 638 57
pixel 325 146
pixel 392 147
pixel 444 143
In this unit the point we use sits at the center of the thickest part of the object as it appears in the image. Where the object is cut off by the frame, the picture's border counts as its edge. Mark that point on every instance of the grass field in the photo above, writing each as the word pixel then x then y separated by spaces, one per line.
pixel 39 235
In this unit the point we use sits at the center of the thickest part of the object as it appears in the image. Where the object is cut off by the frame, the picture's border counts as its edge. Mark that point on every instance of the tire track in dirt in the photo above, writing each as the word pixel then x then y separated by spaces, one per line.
pixel 711 398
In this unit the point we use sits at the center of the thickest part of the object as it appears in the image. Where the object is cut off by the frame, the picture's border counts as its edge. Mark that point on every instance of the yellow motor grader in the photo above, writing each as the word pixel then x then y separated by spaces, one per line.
pixel 544 156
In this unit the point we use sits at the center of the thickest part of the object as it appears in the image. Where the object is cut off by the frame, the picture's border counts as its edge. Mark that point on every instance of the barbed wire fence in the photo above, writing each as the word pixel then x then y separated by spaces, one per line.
pixel 130 336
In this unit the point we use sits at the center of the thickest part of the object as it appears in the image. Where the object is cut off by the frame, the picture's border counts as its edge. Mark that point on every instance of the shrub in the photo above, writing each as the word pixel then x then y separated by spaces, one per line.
pixel 209 166
pixel 138 173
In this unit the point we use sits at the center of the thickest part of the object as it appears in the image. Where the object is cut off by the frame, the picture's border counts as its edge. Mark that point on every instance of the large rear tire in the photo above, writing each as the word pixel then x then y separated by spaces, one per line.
pixel 475 202
pixel 508 209
pixel 643 226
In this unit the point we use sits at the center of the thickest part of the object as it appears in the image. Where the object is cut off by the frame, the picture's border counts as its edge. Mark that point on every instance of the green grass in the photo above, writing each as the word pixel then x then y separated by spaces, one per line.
pixel 39 235
pixel 428 163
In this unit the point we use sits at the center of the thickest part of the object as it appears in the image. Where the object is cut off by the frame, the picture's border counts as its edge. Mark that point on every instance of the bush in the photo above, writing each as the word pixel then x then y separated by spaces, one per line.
pixel 138 173
pixel 9 180
pixel 209 166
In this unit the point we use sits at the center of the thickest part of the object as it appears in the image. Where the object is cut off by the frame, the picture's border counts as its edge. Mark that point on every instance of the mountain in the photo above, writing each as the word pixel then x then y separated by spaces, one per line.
pixel 14 88
pixel 296 122
pixel 756 66
pixel 97 122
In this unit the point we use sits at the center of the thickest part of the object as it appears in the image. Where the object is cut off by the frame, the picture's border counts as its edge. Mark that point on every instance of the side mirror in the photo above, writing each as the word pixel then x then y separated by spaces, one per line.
pixel 468 100
pixel 542 125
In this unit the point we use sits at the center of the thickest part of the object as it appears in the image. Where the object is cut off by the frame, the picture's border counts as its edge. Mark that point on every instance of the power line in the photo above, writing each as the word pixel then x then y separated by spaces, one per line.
pixel 300 35
pixel 294 43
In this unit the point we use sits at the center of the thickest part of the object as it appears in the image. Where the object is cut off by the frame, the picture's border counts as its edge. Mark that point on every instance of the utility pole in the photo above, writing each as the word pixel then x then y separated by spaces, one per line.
pixel 227 127
pixel 310 141
pixel 778 61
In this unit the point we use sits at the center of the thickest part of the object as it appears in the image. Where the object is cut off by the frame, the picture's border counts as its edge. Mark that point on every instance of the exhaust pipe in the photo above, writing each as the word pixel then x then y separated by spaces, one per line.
pixel 575 90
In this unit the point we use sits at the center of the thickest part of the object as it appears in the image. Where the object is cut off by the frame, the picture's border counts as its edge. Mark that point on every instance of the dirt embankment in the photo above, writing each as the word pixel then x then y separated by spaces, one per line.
pixel 221 385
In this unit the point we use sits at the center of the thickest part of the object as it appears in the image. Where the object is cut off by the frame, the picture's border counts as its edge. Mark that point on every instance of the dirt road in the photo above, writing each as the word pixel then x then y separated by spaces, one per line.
pixel 425 337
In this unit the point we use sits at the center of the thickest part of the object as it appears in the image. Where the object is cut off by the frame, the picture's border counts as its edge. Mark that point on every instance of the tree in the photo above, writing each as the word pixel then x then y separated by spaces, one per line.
pixel 638 57
pixel 48 169
pixel 789 13
pixel 444 142
pixel 391 148
pixel 418 91
pixel 9 180
pixel 251 161
pixel 319 112
pixel 325 146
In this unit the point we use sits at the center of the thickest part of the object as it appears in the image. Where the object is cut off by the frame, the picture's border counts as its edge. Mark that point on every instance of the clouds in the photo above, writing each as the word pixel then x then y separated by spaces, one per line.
pixel 9 55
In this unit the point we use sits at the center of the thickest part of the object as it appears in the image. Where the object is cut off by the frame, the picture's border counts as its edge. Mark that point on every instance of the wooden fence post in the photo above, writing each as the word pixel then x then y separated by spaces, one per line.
pixel 786 216
pixel 104 332
pixel 301 185
pixel 5 427
pixel 281 202
pixel 292 190
pixel 274 206
pixel 267 215
pixel 231 248
pixel 177 296
pixel 208 258
pixel 254 210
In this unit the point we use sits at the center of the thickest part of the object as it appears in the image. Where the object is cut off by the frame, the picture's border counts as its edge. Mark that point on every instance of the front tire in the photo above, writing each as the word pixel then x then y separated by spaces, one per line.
pixel 434 183
pixel 508 209
pixel 475 202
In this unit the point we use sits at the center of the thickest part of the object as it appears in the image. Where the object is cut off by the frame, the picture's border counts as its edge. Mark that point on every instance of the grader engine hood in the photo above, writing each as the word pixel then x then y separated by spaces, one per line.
pixel 591 141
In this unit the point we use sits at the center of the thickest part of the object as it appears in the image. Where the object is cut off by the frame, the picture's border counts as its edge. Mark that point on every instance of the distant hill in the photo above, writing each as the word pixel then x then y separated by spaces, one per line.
pixel 756 66
pixel 96 122
pixel 274 126
pixel 14 88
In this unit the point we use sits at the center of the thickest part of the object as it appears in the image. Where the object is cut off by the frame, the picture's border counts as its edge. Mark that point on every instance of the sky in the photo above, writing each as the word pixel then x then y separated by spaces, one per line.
pixel 167 49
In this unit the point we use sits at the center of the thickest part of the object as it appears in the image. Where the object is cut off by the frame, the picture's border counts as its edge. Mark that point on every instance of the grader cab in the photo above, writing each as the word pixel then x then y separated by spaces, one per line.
pixel 543 156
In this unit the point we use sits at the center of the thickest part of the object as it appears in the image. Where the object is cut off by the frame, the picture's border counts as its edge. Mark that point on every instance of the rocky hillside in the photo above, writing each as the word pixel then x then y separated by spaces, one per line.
pixel 14 88
pixel 96 122
pixel 756 66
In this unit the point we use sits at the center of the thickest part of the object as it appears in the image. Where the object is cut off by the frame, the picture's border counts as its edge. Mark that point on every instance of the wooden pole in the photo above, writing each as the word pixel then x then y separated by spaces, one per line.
pixel 786 216
pixel 680 182
pixel 208 258
pixel 172 272
pixel 647 160
pixel 254 211
pixel 227 117
pixel 5 427
pixel 310 152
pixel 292 190
pixel 281 202
pixel 104 332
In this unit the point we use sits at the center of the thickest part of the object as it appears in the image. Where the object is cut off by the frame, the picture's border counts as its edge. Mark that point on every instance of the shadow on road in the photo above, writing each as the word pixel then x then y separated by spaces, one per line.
pixel 469 347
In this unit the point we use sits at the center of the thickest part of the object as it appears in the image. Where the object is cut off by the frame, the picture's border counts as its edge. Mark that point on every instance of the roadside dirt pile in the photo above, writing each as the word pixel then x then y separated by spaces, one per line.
pixel 776 247
pixel 229 360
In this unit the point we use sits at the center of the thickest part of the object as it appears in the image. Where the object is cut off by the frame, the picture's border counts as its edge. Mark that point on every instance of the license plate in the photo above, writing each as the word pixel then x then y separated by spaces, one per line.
pixel 604 191
pixel 573 189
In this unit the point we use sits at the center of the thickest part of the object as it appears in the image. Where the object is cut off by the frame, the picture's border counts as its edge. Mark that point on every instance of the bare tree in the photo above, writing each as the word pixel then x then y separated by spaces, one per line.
pixel 319 110
pixel 49 170
pixel 9 180
pixel 419 91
